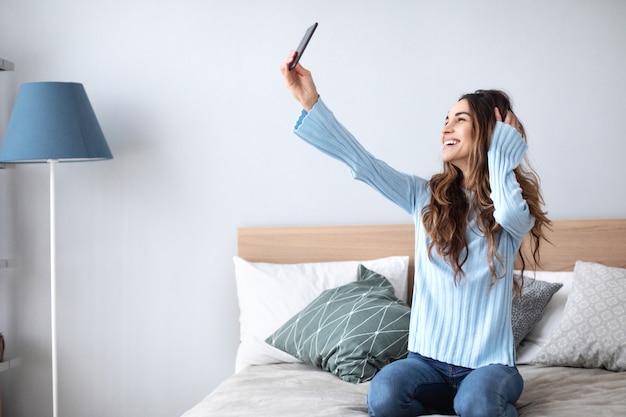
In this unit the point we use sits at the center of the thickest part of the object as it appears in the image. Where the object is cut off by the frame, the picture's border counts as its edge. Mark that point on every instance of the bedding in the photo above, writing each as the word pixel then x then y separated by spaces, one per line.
pixel 528 308
pixel 270 294
pixel 550 318
pixel 592 331
pixel 569 323
pixel 301 390
pixel 351 331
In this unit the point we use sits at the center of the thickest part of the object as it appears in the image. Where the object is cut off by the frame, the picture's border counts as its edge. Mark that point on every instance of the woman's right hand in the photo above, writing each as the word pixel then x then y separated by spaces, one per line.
pixel 300 82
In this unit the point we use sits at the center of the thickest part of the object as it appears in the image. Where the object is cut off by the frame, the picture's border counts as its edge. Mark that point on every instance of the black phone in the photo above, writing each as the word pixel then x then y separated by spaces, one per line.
pixel 303 43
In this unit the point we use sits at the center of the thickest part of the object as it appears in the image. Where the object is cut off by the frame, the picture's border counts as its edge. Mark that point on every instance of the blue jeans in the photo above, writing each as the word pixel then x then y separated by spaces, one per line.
pixel 418 385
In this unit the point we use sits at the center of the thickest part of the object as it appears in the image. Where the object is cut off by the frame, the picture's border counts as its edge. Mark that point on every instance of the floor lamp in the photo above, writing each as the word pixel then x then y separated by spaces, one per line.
pixel 53 122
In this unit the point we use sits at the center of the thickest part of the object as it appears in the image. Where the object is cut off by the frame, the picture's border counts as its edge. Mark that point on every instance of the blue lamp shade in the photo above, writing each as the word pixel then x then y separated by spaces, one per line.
pixel 53 121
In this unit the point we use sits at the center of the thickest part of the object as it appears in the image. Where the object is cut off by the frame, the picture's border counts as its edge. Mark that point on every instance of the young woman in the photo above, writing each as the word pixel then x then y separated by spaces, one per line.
pixel 470 221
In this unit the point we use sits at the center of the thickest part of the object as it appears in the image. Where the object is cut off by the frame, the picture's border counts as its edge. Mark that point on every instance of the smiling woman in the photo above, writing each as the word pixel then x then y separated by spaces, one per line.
pixel 470 222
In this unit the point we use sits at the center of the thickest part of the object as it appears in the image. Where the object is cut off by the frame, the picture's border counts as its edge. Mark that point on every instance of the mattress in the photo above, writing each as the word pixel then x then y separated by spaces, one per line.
pixel 300 390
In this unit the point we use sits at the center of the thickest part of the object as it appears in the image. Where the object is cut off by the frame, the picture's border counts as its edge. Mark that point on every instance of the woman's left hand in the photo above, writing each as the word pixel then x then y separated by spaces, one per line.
pixel 300 82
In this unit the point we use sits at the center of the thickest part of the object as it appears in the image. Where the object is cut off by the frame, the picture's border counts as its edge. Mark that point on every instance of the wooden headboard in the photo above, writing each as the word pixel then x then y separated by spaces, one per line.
pixel 602 241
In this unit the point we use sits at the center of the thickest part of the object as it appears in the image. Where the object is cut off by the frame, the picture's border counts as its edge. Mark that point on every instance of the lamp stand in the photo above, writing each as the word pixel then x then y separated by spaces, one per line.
pixel 53 122
pixel 53 292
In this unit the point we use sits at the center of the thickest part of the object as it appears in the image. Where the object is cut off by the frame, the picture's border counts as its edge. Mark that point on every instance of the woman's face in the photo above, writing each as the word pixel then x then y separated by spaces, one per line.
pixel 458 136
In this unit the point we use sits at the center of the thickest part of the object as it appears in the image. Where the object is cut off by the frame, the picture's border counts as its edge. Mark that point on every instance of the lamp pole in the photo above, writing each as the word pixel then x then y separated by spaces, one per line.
pixel 53 289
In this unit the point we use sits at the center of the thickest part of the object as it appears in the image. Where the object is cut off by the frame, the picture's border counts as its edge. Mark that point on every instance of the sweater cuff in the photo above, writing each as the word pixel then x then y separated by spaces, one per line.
pixel 303 114
pixel 508 145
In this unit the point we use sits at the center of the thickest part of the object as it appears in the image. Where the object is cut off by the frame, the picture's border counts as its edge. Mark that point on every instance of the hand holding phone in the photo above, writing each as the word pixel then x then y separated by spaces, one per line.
pixel 303 44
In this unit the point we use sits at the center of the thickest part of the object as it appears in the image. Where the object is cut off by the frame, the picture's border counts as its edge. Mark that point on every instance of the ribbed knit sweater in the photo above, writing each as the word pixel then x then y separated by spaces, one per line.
pixel 468 323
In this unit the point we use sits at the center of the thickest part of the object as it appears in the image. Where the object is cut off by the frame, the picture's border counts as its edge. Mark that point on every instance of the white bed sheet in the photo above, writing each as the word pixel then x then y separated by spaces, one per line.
pixel 299 390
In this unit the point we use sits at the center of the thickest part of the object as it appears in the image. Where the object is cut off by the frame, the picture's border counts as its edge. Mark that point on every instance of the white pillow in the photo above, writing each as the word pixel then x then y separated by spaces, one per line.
pixel 541 331
pixel 270 294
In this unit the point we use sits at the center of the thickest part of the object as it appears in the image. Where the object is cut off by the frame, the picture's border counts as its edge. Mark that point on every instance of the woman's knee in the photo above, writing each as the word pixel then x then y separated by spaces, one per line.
pixel 478 408
pixel 489 392
pixel 390 393
pixel 383 395
pixel 380 400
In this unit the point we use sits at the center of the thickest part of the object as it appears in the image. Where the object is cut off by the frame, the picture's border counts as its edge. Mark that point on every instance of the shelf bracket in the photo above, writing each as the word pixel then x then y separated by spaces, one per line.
pixel 6 65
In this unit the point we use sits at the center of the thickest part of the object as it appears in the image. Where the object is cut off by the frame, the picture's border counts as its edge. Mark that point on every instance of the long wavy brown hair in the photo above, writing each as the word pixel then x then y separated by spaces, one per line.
pixel 447 216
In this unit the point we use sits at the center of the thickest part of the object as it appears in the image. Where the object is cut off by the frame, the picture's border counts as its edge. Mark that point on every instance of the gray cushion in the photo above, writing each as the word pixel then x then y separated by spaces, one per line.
pixel 592 331
pixel 528 308
pixel 352 330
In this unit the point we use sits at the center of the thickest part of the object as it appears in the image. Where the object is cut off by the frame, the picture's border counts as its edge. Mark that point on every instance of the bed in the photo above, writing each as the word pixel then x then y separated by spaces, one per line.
pixel 571 321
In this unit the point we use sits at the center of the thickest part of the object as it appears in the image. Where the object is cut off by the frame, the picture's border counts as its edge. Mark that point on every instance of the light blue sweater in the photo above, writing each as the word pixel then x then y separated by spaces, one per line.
pixel 467 324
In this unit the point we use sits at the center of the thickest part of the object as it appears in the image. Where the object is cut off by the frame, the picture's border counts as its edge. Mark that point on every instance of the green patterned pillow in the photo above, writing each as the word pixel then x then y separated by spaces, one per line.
pixel 351 331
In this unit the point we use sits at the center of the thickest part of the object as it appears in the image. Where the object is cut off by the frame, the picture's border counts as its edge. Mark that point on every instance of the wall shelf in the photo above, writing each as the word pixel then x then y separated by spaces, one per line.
pixel 7 263
pixel 10 364
pixel 6 65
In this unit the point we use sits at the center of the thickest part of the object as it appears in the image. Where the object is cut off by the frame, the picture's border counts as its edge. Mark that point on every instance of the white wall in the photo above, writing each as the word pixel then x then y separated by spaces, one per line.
pixel 194 109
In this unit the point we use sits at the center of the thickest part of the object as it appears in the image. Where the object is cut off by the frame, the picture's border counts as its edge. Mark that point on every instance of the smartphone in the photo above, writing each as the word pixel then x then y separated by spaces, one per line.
pixel 303 43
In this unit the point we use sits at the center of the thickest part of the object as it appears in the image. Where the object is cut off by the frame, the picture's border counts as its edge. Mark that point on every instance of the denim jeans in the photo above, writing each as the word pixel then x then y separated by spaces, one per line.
pixel 418 385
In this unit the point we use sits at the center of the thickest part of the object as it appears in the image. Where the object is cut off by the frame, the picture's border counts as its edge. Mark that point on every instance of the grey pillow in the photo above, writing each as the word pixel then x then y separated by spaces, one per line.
pixel 528 308
pixel 351 331
pixel 592 331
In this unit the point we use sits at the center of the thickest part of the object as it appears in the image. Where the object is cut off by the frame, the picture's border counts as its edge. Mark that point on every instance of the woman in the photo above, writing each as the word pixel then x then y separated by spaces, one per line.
pixel 470 221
